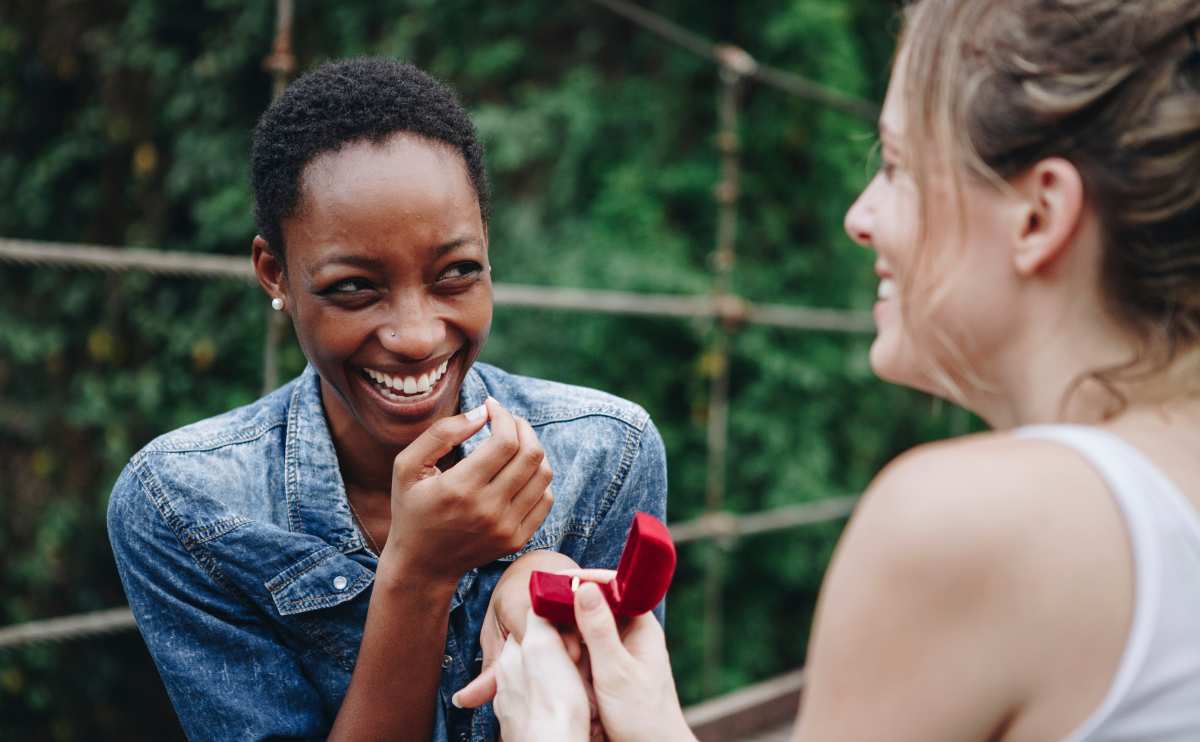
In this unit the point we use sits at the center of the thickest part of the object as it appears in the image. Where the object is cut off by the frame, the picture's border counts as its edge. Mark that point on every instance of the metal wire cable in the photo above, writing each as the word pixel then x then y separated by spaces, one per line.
pixel 198 265
pixel 741 62
pixel 723 526
pixel 66 628
pixel 119 259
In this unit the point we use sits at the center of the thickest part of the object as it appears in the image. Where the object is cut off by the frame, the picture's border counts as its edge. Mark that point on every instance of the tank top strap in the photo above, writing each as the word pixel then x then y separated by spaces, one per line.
pixel 1148 502
pixel 1140 488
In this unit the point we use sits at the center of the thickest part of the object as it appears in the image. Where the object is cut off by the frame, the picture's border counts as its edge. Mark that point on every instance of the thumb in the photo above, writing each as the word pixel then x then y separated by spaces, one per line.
pixel 414 462
pixel 598 627
pixel 477 692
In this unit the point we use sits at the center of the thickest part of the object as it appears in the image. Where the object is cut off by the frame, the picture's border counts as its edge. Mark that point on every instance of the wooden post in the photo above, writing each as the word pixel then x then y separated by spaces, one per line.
pixel 281 63
pixel 735 64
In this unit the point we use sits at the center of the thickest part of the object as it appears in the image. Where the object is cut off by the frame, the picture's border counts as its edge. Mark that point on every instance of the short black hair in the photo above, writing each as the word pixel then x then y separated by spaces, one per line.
pixel 346 101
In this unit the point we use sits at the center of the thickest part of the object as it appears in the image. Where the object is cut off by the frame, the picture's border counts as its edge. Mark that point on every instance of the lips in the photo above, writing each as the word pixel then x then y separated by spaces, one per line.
pixel 390 391
pixel 400 386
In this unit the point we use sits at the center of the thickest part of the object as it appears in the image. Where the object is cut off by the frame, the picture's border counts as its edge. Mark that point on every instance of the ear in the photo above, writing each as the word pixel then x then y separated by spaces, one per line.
pixel 269 270
pixel 1049 214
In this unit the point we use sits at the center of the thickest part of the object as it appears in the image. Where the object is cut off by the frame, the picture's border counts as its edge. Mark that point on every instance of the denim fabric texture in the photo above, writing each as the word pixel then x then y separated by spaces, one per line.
pixel 250 581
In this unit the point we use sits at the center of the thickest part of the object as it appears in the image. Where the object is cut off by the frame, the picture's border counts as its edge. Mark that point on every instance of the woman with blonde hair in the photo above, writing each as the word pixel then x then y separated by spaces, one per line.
pixel 1036 226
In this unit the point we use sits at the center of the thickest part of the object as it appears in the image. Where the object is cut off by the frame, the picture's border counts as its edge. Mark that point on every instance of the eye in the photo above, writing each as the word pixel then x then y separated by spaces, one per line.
pixel 347 286
pixel 460 274
pixel 349 293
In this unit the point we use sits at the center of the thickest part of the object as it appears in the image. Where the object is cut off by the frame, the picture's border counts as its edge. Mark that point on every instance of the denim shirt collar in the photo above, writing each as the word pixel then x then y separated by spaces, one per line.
pixel 316 497
pixel 316 494
pixel 473 394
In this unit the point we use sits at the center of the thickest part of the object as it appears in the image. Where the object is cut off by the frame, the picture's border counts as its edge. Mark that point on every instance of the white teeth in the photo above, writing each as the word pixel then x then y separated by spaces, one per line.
pixel 887 289
pixel 393 386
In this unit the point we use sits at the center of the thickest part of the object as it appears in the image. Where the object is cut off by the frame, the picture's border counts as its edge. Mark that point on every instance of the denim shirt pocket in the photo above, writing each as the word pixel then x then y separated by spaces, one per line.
pixel 317 596
pixel 323 579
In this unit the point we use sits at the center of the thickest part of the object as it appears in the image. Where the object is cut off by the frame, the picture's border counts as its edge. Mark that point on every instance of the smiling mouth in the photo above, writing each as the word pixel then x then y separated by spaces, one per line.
pixel 415 388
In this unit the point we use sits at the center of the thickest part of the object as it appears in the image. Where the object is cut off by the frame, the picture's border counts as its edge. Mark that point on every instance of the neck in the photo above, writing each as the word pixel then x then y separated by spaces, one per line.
pixel 365 464
pixel 1051 378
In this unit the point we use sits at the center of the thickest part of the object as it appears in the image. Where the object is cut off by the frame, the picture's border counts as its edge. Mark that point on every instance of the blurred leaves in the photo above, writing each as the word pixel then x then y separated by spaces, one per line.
pixel 129 123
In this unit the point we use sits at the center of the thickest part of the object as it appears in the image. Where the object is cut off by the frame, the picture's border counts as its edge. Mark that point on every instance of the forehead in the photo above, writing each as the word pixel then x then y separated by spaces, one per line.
pixel 402 165
pixel 892 115
pixel 404 189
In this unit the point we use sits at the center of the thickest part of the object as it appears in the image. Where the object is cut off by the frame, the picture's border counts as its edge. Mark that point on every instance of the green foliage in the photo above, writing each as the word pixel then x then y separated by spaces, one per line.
pixel 129 123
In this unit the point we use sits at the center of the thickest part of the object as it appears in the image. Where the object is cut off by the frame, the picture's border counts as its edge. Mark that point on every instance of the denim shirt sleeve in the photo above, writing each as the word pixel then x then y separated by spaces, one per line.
pixel 644 490
pixel 188 620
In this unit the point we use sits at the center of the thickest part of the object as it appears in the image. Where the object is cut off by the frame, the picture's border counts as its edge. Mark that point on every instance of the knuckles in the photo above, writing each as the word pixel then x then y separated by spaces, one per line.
pixel 533 456
pixel 515 541
pixel 506 444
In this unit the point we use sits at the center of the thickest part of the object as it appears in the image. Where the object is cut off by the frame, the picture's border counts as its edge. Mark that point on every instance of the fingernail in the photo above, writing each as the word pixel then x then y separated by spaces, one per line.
pixel 478 413
pixel 454 700
pixel 589 596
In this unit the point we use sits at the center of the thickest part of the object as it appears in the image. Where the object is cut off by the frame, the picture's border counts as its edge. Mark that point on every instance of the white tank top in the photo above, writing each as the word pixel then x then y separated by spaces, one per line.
pixel 1155 694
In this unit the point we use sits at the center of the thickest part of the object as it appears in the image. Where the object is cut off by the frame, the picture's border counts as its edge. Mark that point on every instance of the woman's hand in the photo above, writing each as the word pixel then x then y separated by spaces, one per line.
pixel 506 617
pixel 485 506
pixel 540 694
pixel 510 602
pixel 631 675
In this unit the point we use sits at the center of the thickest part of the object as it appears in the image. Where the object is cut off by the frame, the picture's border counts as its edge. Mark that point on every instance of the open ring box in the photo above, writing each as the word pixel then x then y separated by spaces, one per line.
pixel 643 576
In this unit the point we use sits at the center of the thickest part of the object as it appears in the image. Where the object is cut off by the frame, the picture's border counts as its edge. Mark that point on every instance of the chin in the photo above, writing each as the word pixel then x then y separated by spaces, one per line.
pixel 892 361
pixel 397 431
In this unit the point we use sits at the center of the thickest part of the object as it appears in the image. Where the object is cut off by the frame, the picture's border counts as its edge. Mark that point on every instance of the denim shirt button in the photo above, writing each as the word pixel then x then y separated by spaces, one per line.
pixel 339 583
pixel 446 660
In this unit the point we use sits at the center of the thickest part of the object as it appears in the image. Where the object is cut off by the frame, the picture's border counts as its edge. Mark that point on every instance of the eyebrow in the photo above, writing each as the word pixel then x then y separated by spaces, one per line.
pixel 358 261
pixel 452 245
pixel 369 263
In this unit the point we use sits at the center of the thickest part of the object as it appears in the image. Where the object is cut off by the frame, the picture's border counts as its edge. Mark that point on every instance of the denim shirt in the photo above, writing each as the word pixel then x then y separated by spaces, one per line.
pixel 250 581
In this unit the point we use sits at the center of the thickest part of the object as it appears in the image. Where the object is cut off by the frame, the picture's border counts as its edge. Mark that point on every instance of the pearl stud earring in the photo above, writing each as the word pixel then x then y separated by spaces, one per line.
pixel 277 304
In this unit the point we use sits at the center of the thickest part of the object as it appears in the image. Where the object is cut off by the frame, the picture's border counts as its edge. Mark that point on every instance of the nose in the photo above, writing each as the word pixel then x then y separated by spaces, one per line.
pixel 414 330
pixel 858 221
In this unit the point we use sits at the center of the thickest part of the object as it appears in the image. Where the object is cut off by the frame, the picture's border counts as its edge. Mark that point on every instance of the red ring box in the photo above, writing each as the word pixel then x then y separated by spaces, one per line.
pixel 643 576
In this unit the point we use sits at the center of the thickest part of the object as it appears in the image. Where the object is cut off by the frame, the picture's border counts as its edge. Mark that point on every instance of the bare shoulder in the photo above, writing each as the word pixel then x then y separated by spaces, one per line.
pixel 1023 532
pixel 961 583
pixel 984 495
pixel 983 576
pixel 989 517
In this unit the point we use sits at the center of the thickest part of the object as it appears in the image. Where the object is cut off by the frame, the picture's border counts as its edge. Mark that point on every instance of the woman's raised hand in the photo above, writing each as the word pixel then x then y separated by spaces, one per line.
pixel 484 507
pixel 631 674
pixel 540 694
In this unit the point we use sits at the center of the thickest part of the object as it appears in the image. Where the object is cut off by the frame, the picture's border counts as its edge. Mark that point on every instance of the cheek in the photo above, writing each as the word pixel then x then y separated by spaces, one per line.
pixel 475 317
pixel 484 324
pixel 326 337
pixel 897 230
